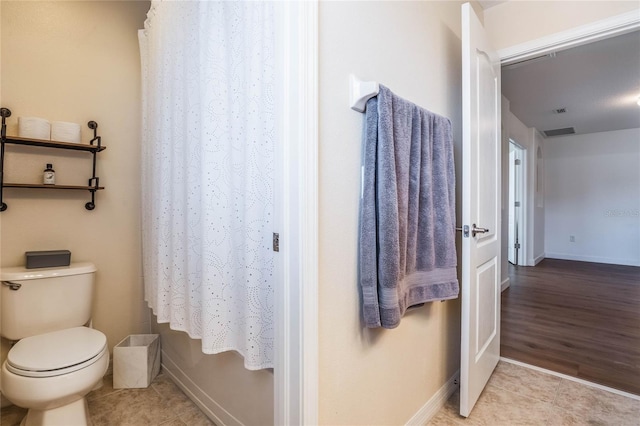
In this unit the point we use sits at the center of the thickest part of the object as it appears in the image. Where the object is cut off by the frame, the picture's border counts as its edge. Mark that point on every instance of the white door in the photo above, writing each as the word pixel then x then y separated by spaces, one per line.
pixel 481 181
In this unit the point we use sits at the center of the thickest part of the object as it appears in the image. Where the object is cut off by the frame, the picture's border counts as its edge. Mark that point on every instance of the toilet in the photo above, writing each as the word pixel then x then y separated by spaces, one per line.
pixel 56 359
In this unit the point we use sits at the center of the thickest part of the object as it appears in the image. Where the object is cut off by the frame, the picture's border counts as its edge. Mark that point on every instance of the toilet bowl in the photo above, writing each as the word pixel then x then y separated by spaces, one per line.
pixel 51 373
pixel 56 360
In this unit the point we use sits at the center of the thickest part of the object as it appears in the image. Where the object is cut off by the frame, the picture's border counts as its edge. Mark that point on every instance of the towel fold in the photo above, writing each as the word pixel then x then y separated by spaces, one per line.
pixel 34 128
pixel 65 132
pixel 407 252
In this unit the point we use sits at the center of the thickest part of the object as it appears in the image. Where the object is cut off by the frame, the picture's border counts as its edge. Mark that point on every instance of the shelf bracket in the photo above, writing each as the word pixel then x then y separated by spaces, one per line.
pixel 93 181
pixel 94 126
pixel 5 113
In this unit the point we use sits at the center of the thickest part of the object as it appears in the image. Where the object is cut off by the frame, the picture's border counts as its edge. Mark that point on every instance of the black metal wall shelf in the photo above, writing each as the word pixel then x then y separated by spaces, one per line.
pixel 41 186
pixel 95 146
pixel 54 144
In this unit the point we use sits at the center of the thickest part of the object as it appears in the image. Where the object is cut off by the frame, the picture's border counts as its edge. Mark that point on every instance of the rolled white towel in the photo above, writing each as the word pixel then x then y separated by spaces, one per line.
pixel 34 128
pixel 65 132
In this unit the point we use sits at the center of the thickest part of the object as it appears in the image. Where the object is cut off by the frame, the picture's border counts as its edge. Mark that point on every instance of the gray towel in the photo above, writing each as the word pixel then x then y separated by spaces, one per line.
pixel 407 252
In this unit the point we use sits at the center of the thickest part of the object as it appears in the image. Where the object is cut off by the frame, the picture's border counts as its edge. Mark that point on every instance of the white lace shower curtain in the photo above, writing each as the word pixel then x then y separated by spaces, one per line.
pixel 207 172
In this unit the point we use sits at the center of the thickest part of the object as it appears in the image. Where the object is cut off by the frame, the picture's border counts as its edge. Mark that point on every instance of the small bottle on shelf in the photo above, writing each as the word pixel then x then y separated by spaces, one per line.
pixel 49 175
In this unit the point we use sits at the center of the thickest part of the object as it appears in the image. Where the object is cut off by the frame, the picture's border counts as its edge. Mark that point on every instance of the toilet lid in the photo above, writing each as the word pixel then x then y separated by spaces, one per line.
pixel 56 350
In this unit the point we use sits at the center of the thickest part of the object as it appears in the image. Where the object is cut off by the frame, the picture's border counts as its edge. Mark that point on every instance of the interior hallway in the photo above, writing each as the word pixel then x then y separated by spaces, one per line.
pixel 576 318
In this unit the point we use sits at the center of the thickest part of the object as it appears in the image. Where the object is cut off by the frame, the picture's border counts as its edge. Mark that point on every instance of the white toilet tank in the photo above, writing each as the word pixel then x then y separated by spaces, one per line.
pixel 45 299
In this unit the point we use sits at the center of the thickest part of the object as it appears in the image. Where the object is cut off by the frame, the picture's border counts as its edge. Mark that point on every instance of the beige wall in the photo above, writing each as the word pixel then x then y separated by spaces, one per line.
pixel 515 22
pixel 385 376
pixel 221 386
pixel 3 349
pixel 378 376
pixel 78 61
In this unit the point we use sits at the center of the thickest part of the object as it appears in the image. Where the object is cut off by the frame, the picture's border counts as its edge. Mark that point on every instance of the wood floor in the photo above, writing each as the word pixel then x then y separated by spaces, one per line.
pixel 576 318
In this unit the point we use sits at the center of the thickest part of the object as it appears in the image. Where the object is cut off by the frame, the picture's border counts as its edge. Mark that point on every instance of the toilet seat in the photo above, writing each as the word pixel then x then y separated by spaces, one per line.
pixel 56 353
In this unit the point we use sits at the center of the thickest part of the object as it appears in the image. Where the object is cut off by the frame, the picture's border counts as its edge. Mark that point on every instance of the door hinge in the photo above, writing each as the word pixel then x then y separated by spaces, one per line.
pixel 516 203
pixel 518 161
pixel 516 245
pixel 276 241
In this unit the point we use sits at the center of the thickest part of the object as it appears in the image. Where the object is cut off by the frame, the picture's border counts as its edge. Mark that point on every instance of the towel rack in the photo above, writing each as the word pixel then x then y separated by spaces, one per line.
pixel 360 92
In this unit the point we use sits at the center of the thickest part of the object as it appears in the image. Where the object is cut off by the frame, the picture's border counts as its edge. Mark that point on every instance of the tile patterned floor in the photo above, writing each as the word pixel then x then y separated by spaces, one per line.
pixel 514 396
pixel 162 403
pixel 518 395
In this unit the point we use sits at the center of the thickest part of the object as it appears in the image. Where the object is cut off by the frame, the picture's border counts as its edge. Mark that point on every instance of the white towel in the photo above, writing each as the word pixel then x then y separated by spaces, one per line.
pixel 65 132
pixel 34 128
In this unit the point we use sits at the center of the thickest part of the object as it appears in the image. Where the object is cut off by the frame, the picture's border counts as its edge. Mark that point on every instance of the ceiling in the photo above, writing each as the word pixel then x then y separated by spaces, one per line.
pixel 598 84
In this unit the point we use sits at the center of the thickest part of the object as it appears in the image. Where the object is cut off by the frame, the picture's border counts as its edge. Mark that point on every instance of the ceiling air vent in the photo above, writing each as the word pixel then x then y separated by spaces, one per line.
pixel 560 111
pixel 560 132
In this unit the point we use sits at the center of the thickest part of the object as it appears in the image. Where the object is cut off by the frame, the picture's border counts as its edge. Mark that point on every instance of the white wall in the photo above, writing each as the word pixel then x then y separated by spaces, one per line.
pixel 504 268
pixel 378 376
pixel 537 191
pixel 593 193
pixel 529 139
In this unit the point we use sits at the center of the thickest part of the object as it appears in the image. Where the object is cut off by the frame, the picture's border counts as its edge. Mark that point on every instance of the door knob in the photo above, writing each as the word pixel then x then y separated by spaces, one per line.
pixel 475 230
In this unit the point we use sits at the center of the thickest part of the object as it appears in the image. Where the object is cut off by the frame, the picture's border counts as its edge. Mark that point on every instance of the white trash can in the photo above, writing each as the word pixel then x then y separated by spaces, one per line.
pixel 136 361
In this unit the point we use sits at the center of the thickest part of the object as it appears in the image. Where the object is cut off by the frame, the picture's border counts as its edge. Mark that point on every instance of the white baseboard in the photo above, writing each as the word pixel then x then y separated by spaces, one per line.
pixel 209 407
pixel 535 260
pixel 571 378
pixel 436 402
pixel 594 259
pixel 505 284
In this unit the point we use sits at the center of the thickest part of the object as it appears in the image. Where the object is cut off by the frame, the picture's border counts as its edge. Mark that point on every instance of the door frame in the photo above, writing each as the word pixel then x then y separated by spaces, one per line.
pixel 584 34
pixel 523 212
pixel 609 27
pixel 296 295
pixel 580 35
